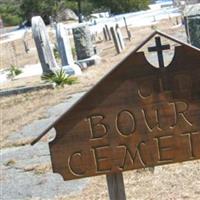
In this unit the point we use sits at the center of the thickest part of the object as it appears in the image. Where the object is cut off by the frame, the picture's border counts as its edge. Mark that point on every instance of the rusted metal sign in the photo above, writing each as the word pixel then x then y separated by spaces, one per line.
pixel 137 116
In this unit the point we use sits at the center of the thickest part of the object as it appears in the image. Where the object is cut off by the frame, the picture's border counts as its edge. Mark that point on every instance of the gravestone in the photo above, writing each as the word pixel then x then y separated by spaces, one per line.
pixel 65 51
pixel 105 34
pixel 83 42
pixel 43 45
pixel 192 24
pixel 108 32
pixel 137 116
pixel 116 40
pixel 120 37
pixel 64 45
pixel 127 30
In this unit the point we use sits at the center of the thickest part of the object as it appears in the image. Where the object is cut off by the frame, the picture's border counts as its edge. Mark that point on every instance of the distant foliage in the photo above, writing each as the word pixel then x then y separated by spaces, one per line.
pixel 14 12
pixel 59 78
pixel 119 6
pixel 44 8
pixel 11 13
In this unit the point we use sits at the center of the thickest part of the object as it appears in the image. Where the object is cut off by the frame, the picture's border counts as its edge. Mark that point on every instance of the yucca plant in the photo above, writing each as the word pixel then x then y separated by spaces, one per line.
pixel 14 71
pixel 59 78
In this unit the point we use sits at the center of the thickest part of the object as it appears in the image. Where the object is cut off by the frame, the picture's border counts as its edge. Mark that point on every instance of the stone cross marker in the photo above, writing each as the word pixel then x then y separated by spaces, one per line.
pixel 43 45
pixel 125 122
pixel 64 45
pixel 83 42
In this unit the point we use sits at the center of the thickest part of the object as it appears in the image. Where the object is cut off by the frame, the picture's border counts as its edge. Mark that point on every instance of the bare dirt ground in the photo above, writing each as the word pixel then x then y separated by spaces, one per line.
pixel 174 182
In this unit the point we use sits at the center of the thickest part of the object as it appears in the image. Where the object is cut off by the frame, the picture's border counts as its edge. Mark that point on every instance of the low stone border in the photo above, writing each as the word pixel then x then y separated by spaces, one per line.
pixel 21 90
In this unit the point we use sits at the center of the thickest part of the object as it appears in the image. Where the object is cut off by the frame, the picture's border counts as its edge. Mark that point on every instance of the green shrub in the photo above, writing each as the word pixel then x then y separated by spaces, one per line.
pixel 59 78
pixel 14 71
pixel 11 20
pixel 11 13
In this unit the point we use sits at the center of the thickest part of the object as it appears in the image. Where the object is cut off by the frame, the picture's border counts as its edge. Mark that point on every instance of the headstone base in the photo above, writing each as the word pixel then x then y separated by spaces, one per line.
pixel 94 60
pixel 72 70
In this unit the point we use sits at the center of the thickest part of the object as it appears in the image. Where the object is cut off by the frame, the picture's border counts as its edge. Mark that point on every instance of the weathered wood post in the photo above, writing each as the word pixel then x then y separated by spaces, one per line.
pixel 116 187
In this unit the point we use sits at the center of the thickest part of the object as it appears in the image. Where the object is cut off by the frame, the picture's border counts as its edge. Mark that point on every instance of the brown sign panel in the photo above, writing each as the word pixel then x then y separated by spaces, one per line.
pixel 138 116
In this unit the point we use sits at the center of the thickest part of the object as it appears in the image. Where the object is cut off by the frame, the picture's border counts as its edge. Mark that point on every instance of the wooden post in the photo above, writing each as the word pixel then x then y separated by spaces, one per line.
pixel 116 187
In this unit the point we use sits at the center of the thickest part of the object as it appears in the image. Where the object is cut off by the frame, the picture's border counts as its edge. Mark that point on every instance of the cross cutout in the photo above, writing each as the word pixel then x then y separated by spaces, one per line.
pixel 159 48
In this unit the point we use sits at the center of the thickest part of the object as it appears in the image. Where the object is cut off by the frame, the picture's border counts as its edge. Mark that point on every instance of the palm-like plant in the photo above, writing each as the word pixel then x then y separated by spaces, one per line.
pixel 59 78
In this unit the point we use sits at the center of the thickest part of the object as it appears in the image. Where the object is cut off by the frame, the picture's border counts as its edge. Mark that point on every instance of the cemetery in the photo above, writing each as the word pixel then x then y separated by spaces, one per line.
pixel 107 108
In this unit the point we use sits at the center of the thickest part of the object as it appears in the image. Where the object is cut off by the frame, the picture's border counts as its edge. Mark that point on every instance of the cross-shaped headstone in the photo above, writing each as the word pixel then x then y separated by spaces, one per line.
pixel 159 48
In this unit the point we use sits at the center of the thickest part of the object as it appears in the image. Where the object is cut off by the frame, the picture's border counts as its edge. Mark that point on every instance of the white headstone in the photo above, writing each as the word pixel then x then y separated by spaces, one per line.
pixel 65 51
pixel 64 46
pixel 45 52
pixel 116 40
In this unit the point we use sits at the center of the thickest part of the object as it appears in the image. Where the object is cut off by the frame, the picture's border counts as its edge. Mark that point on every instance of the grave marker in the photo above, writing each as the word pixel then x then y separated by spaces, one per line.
pixel 192 24
pixel 127 122
pixel 65 51
pixel 64 45
pixel 120 37
pixel 108 32
pixel 83 42
pixel 105 34
pixel 43 45
pixel 127 30
pixel 116 40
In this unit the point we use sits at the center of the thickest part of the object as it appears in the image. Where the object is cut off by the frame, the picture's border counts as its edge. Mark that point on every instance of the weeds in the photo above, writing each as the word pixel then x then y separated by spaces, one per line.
pixel 14 71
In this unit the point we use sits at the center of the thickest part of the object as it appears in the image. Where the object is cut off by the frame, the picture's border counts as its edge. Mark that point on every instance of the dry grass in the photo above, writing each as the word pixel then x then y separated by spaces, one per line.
pixel 20 110
pixel 171 182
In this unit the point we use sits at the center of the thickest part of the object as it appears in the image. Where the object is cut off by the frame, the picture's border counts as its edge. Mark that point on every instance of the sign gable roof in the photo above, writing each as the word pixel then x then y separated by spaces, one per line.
pixel 141 67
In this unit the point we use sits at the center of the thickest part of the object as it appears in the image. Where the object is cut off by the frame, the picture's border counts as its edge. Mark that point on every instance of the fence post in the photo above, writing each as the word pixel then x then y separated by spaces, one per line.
pixel 116 187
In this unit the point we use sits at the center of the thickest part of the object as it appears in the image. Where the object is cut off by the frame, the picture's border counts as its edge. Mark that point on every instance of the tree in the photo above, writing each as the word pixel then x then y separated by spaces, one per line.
pixel 10 12
pixel 44 8
pixel 119 6
pixel 83 7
